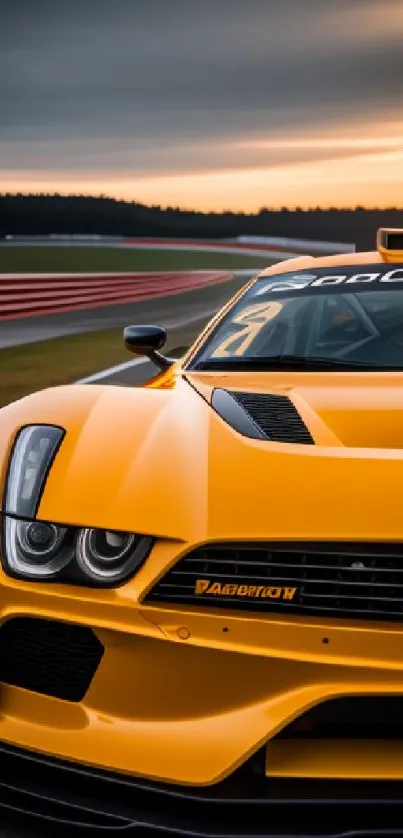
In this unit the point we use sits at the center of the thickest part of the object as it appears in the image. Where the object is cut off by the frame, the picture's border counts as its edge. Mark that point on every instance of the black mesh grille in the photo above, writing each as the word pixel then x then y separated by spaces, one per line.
pixel 361 581
pixel 276 416
pixel 48 657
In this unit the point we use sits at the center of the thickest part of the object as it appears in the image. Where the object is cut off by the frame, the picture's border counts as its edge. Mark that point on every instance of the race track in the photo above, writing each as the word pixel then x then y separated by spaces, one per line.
pixel 172 312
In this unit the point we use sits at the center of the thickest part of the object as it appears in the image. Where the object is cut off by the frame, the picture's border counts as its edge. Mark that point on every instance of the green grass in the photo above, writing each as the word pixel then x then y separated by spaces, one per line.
pixel 75 259
pixel 59 361
pixel 64 360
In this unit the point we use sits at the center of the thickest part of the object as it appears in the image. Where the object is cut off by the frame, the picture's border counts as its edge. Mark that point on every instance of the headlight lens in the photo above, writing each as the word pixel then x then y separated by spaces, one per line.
pixel 46 551
pixel 105 555
pixel 35 549
pixel 32 456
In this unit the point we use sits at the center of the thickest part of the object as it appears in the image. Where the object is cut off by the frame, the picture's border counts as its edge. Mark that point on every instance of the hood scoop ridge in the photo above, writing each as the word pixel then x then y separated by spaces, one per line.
pixel 265 416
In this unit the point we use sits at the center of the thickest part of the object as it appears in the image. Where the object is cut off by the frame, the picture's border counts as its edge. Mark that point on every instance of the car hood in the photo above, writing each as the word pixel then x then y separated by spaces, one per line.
pixel 358 410
pixel 162 462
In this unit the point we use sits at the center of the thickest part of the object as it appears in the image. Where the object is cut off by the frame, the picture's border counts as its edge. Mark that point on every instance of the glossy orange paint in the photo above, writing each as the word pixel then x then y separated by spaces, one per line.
pixel 187 694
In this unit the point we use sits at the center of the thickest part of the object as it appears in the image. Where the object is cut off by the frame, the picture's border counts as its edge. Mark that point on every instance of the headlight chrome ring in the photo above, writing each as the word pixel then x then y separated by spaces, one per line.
pixel 39 539
pixel 104 555
pixel 27 559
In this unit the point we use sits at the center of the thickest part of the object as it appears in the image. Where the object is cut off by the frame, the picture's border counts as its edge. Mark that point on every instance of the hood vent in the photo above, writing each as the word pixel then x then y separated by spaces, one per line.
pixel 262 416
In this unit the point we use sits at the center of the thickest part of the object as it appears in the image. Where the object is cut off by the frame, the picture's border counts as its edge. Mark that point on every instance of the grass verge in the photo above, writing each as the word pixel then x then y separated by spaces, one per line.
pixel 25 369
pixel 91 259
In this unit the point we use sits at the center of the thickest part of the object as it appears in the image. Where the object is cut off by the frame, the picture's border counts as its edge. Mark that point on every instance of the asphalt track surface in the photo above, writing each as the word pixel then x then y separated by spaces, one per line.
pixel 173 312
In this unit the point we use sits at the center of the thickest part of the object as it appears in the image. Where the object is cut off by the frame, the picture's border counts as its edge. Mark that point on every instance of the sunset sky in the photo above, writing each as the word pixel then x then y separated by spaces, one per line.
pixel 211 104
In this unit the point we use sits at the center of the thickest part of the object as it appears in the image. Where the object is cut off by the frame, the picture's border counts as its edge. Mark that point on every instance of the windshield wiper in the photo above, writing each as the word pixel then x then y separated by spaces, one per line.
pixel 277 362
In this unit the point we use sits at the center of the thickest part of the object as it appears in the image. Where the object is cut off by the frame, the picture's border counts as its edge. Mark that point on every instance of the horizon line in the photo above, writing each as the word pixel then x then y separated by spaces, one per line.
pixel 177 208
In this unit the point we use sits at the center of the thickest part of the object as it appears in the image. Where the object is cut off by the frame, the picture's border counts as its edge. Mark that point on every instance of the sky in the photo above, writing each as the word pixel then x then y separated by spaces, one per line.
pixel 205 104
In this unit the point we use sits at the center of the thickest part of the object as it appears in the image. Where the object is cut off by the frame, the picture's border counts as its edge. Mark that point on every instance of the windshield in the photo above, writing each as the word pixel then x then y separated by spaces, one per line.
pixel 318 319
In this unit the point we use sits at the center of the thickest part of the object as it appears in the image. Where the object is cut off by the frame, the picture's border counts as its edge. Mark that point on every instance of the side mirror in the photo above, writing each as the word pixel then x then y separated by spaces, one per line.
pixel 147 340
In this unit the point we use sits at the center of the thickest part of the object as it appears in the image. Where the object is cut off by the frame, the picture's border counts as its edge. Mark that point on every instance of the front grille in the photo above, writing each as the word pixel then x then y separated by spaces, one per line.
pixel 276 416
pixel 361 581
pixel 49 657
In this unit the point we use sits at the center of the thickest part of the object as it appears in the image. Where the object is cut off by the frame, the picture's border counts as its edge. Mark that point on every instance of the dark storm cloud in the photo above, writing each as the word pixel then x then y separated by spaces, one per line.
pixel 151 85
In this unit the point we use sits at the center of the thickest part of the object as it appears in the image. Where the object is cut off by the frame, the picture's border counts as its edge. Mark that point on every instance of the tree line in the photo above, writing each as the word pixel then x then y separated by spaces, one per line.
pixel 43 214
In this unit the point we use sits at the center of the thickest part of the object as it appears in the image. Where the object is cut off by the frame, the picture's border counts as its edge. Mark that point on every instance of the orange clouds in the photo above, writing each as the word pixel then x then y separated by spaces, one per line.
pixel 333 167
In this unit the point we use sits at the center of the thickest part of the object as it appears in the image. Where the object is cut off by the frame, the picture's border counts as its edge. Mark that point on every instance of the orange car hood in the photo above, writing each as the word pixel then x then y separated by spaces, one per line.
pixel 163 462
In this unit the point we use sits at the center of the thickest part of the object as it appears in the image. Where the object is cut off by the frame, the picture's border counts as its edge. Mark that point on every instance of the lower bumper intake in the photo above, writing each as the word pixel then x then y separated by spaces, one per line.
pixel 245 805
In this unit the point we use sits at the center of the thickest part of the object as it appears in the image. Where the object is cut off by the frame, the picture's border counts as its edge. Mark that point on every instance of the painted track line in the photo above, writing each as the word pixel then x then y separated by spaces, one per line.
pixel 174 324
pixel 98 376
pixel 177 323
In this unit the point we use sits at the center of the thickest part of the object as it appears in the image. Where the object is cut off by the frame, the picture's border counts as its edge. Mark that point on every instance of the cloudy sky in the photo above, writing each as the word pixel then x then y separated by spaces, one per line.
pixel 204 103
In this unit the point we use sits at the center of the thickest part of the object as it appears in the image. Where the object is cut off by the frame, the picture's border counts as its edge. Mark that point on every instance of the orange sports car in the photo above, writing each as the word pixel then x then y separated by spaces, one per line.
pixel 201 585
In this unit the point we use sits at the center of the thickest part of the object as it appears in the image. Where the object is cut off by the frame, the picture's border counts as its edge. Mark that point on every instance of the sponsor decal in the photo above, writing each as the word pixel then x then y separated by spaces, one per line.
pixel 205 587
pixel 297 282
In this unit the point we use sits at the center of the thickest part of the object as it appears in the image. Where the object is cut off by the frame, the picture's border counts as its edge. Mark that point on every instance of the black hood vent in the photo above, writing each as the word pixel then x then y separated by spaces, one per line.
pixel 262 416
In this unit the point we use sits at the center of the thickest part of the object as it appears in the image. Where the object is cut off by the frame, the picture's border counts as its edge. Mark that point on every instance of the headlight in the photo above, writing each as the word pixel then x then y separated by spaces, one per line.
pixel 105 555
pixel 33 548
pixel 33 453
pixel 38 550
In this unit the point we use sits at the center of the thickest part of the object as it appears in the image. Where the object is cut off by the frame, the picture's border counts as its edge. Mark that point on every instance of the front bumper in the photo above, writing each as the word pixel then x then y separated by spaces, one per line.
pixel 187 696
pixel 191 715
pixel 184 701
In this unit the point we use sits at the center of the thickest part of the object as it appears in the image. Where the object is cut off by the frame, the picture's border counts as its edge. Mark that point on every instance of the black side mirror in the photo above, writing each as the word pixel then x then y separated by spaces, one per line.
pixel 147 340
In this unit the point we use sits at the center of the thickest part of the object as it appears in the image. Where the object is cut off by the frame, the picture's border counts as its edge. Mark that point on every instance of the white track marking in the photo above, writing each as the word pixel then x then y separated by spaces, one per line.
pixel 112 370
pixel 173 324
